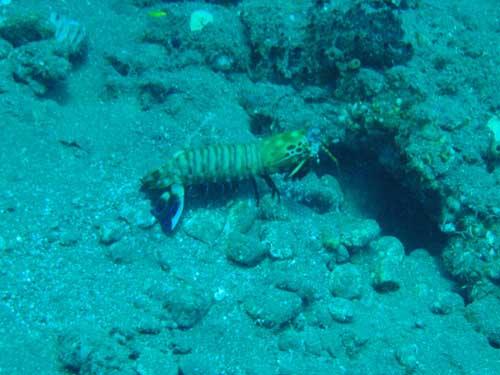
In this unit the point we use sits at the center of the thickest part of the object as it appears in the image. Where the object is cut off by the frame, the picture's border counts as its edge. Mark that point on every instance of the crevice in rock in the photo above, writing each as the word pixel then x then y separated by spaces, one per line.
pixel 370 190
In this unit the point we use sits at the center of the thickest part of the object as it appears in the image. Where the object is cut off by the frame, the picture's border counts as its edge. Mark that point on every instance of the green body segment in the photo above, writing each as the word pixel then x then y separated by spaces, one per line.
pixel 284 152
pixel 216 163
pixel 213 163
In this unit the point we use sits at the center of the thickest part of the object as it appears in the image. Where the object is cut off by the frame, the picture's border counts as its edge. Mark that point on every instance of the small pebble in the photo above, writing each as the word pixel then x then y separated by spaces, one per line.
pixel 290 340
pixel 68 237
pixel 273 309
pixel 205 225
pixel 420 324
pixel 346 282
pixel 121 252
pixel 386 270
pixel 281 252
pixel 111 232
pixel 342 310
pixel 144 220
pixel 386 275
pixel 358 233
pixel 446 303
pixel 163 260
pixel 242 216
pixel 244 250
pixel 341 254
pixel 140 216
pixel 407 358
pixel 220 294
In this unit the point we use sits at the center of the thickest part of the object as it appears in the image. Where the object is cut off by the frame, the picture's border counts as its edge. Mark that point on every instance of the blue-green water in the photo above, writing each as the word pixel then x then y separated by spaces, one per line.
pixel 370 245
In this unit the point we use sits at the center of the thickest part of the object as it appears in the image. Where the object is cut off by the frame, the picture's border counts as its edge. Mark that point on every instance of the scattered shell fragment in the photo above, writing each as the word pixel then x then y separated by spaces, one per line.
pixel 199 19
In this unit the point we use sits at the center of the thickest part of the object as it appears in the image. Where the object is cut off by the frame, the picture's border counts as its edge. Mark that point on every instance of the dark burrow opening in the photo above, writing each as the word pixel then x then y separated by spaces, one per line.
pixel 371 191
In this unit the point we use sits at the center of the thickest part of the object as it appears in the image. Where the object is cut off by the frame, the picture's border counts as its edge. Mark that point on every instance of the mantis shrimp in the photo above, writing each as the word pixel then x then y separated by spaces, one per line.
pixel 285 152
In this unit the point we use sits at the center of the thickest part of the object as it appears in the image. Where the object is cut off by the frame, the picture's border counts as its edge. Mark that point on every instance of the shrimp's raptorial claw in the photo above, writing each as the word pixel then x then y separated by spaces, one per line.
pixel 177 191
pixel 168 208
pixel 297 168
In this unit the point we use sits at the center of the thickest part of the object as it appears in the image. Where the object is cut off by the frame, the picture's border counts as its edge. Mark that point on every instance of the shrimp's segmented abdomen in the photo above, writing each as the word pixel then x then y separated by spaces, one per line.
pixel 216 163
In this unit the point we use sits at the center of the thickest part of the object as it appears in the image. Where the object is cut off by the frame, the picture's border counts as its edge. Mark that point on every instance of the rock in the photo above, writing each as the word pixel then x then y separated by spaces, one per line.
pixel 383 45
pixel 37 65
pixel 407 358
pixel 341 254
pixel 23 28
pixel 69 237
pixel 111 232
pixel 148 325
pixel 483 315
pixel 357 233
pixel 388 246
pixel 353 343
pixel 386 275
pixel 261 22
pixel 345 282
pixel 93 352
pixel 333 245
pixel 446 303
pixel 244 250
pixel 121 252
pixel 181 344
pixel 270 209
pixel 242 216
pixel 63 236
pixel 321 194
pixel 386 270
pixel 184 303
pixel 163 259
pixel 281 252
pixel 312 341
pixel 290 340
pixel 138 215
pixel 290 277
pixel 208 32
pixel 206 225
pixel 280 240
pixel 74 351
pixel 342 310
pixel 274 308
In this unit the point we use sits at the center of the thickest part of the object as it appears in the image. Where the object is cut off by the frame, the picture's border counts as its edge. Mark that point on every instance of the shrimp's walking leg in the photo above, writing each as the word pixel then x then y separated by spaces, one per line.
pixel 272 186
pixel 256 190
